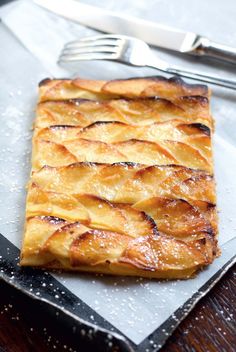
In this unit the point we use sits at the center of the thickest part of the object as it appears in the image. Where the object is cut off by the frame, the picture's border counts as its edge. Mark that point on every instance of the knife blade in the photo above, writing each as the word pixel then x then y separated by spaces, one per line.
pixel 153 33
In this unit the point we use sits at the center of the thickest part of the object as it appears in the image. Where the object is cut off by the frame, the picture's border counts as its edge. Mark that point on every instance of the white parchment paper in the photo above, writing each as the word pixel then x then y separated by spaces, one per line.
pixel 135 306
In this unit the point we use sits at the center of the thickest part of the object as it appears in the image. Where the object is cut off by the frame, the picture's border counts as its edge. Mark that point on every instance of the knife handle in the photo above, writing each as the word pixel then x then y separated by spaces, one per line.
pixel 222 52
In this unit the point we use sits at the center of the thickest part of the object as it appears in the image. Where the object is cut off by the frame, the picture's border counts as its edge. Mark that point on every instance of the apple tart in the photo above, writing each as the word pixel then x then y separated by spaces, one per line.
pixel 122 178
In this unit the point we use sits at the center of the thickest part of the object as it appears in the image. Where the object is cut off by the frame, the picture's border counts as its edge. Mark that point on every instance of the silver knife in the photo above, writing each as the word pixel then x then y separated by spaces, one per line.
pixel 151 32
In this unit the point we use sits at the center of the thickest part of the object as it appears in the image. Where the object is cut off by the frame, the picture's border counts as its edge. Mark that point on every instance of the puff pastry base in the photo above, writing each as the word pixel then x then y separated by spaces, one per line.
pixel 122 178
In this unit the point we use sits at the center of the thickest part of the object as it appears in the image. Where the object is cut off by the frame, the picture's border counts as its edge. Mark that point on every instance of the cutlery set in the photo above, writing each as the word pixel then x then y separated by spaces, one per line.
pixel 130 51
pixel 129 47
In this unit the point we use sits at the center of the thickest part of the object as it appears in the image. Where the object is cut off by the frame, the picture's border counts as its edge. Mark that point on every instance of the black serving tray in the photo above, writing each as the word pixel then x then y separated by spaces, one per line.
pixel 43 287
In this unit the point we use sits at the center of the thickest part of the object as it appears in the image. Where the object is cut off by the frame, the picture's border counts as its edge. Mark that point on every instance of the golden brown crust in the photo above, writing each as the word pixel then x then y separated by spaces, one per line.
pixel 122 178
pixel 155 86
pixel 172 88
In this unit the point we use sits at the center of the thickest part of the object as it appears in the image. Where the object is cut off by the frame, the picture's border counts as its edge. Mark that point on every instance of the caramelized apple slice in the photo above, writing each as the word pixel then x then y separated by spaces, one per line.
pixel 202 144
pixel 57 134
pixel 90 85
pixel 209 211
pixel 154 87
pixel 59 205
pixel 50 153
pixel 187 155
pixel 95 151
pixel 37 230
pixel 147 153
pixel 68 89
pixel 63 112
pixel 196 107
pixel 130 88
pixel 108 132
pixel 175 217
pixel 60 241
pixel 190 185
pixel 95 247
pixel 174 88
pixel 109 180
pixel 162 253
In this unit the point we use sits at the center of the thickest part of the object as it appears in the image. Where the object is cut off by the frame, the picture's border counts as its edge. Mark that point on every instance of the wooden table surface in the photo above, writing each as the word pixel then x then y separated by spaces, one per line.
pixel 210 327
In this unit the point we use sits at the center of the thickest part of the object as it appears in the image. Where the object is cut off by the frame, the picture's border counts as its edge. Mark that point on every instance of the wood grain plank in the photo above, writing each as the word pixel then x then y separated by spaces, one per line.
pixel 211 326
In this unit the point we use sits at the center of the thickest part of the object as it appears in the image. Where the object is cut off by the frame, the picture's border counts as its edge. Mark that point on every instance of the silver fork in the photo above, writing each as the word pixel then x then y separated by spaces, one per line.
pixel 130 51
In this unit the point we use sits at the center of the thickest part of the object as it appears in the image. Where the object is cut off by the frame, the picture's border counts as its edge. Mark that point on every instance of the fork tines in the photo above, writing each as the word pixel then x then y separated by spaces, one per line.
pixel 104 47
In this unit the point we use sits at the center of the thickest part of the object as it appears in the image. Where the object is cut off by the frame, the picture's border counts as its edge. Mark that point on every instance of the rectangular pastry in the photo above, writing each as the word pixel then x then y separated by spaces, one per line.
pixel 122 178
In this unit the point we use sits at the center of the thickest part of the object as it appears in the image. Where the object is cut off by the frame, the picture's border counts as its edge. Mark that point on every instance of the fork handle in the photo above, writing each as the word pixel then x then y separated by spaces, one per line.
pixel 227 83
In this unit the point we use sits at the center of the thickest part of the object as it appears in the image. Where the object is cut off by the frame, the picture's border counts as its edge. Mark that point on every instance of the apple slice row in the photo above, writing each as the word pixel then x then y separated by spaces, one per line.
pixel 194 135
pixel 84 112
pixel 127 182
pixel 78 247
pixel 186 141
pixel 147 153
pixel 115 131
pixel 174 217
pixel 89 210
pixel 171 88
